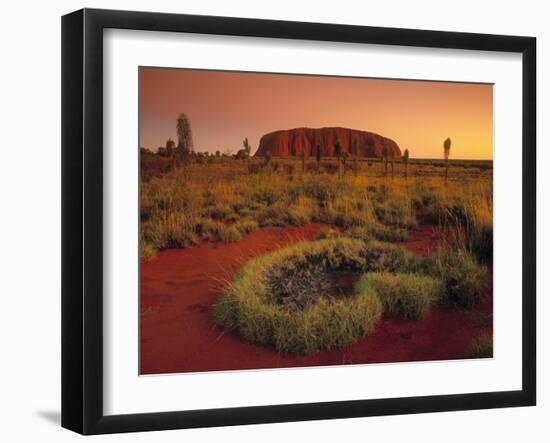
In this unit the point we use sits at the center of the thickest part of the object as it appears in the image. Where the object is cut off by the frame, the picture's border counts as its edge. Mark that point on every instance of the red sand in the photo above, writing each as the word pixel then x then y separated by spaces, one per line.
pixel 180 287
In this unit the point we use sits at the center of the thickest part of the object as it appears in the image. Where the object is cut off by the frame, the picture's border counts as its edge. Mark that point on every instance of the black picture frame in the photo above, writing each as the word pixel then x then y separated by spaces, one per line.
pixel 82 218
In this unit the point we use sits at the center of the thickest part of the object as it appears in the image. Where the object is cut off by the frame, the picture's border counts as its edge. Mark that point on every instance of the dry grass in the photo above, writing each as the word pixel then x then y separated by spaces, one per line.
pixel 176 204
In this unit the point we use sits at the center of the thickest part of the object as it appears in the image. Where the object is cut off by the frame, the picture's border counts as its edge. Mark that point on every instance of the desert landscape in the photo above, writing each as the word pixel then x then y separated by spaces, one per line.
pixel 311 245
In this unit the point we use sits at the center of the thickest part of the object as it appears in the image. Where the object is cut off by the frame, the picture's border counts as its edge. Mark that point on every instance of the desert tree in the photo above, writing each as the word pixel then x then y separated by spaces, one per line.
pixel 392 160
pixel 385 155
pixel 338 154
pixel 246 147
pixel 170 147
pixel 267 159
pixel 446 155
pixel 318 157
pixel 406 161
pixel 184 149
pixel 345 157
pixel 355 153
pixel 303 158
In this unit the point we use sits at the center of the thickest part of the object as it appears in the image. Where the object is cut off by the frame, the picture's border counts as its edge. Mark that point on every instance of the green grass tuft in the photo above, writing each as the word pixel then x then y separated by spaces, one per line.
pixel 463 280
pixel 402 295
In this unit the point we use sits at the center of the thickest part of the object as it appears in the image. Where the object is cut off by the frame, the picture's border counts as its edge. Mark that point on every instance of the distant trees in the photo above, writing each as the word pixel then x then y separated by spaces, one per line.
pixel 338 154
pixel 244 153
pixel 318 157
pixel 345 157
pixel 170 147
pixel 406 161
pixel 246 147
pixel 185 139
pixel 267 159
pixel 385 155
pixel 446 155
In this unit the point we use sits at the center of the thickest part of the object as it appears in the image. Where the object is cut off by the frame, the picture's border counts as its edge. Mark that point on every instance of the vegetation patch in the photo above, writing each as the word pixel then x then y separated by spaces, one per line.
pixel 402 295
pixel 306 297
pixel 285 299
pixel 481 347
pixel 463 280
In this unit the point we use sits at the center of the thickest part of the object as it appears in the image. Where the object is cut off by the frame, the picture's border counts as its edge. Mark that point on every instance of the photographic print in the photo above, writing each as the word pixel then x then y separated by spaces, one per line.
pixel 292 220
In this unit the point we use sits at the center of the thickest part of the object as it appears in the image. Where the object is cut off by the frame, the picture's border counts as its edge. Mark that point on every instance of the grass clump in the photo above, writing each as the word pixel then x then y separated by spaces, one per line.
pixel 217 231
pixel 327 232
pixel 146 251
pixel 481 347
pixel 463 280
pixel 386 257
pixel 269 303
pixel 402 295
pixel 247 225
pixel 229 234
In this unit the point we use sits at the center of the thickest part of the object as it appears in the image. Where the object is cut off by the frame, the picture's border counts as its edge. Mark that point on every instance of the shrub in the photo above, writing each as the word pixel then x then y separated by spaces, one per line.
pixel 273 215
pixel 481 347
pixel 228 234
pixel 266 194
pixel 327 232
pixel 404 295
pixel 301 213
pixel 221 212
pixel 463 280
pixel 146 251
pixel 172 230
pixel 246 225
pixel 385 257
pixel 396 211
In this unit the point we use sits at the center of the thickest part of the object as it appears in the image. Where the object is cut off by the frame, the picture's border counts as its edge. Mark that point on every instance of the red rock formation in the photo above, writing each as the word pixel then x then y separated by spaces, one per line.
pixel 293 142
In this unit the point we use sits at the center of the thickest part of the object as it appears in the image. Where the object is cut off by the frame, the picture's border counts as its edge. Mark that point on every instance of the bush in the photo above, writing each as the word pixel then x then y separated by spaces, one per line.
pixel 482 347
pixel 463 280
pixel 246 225
pixel 172 230
pixel 385 257
pixel 396 211
pixel 301 213
pixel 146 251
pixel 326 232
pixel 228 234
pixel 266 194
pixel 404 295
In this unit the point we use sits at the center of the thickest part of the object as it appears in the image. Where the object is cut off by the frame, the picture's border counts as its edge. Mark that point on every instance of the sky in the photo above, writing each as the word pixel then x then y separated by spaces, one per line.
pixel 225 107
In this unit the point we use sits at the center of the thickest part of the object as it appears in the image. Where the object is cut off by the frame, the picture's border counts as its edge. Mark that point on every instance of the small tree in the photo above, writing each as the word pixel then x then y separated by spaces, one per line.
pixel 355 153
pixel 406 161
pixel 446 154
pixel 267 159
pixel 303 158
pixel 318 157
pixel 170 147
pixel 345 157
pixel 385 154
pixel 392 159
pixel 185 139
pixel 338 154
pixel 246 147
pixel 218 153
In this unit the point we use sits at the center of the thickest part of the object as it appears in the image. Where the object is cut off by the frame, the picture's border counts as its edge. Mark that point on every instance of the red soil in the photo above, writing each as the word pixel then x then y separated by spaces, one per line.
pixel 180 287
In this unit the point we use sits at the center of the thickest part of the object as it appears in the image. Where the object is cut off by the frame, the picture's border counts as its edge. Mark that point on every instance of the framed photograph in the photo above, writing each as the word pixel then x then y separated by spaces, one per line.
pixel 269 221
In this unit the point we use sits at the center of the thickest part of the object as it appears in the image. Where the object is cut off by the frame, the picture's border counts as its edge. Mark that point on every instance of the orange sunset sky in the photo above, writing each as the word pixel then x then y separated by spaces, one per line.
pixel 225 107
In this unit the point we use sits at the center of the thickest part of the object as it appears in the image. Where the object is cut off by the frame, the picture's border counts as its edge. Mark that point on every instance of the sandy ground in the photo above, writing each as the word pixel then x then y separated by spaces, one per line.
pixel 180 287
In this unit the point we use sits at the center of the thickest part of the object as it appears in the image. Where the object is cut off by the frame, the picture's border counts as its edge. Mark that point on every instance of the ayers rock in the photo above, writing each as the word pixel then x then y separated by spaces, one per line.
pixel 293 142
